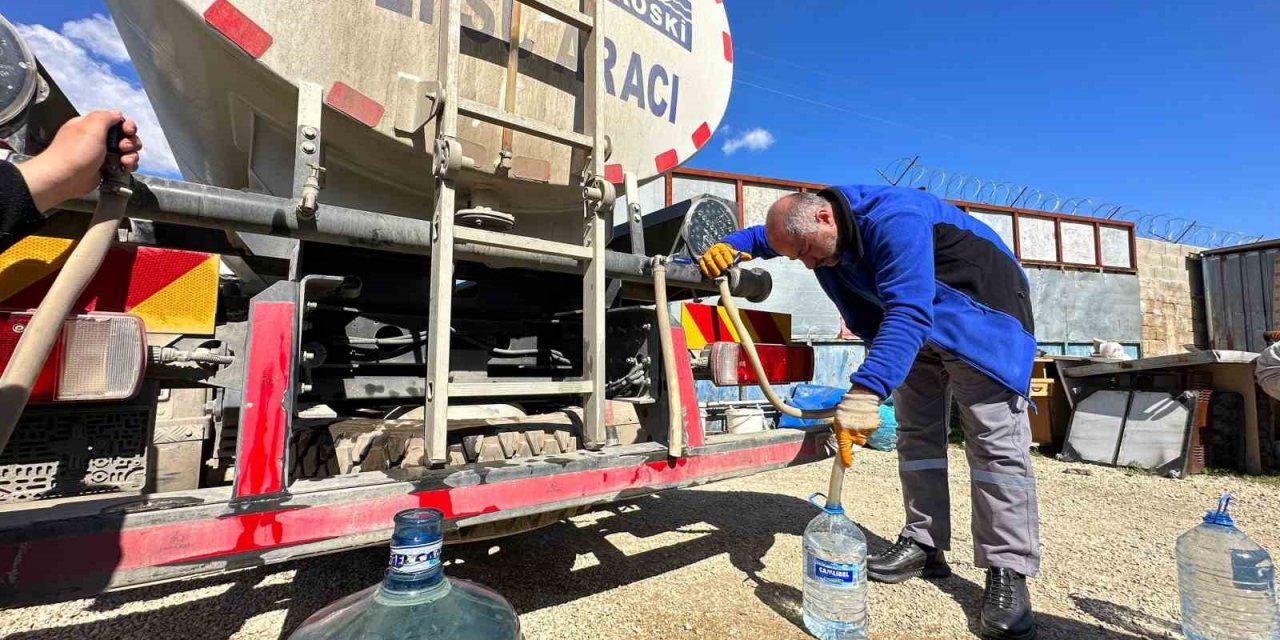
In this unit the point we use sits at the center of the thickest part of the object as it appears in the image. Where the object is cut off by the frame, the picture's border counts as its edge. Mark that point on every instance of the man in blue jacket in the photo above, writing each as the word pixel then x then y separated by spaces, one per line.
pixel 944 305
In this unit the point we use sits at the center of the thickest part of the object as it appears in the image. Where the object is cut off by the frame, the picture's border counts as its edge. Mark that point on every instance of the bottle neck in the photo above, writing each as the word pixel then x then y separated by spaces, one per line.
pixel 415 563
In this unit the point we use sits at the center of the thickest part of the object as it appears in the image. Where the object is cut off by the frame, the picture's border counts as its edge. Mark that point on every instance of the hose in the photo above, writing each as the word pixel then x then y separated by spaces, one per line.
pixel 836 484
pixel 45 327
pixel 675 419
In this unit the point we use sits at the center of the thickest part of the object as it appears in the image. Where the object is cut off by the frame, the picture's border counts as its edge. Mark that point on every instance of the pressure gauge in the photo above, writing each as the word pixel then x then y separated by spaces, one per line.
pixel 18 77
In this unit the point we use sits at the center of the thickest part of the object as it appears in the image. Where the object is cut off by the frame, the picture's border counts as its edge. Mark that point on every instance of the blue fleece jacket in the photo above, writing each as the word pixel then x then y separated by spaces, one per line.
pixel 915 270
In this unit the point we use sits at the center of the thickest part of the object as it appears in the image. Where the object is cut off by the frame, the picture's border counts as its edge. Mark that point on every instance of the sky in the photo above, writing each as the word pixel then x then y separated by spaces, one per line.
pixel 1168 107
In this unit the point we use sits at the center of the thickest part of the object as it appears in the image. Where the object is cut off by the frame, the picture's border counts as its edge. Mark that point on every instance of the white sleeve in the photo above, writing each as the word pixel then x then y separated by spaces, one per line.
pixel 1267 370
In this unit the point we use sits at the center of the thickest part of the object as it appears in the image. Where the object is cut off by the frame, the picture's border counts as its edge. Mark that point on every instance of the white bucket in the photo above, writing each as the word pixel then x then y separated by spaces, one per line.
pixel 744 420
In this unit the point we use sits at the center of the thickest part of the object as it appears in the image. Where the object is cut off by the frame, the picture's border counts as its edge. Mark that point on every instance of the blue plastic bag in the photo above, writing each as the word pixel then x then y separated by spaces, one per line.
pixel 816 396
pixel 811 396
pixel 886 437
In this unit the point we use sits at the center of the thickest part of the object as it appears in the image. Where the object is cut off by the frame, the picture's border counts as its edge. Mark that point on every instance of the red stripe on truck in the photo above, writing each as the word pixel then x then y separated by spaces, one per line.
pixel 613 173
pixel 238 28
pixel 701 136
pixel 353 103
pixel 666 160
pixel 264 419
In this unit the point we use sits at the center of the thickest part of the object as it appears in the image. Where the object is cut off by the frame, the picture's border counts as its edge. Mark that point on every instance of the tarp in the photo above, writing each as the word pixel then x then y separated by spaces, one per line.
pixel 816 396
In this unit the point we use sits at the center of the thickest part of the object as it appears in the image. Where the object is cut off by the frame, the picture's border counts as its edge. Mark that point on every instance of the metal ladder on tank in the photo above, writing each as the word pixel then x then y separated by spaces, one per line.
pixel 597 200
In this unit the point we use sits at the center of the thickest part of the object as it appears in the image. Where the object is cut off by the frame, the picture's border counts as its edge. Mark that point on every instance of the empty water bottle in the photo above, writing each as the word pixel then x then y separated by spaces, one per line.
pixel 415 599
pixel 1226 581
pixel 835 576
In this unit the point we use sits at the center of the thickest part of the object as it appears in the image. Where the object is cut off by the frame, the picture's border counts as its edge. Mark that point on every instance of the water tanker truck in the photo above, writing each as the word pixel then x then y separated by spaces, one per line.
pixel 390 276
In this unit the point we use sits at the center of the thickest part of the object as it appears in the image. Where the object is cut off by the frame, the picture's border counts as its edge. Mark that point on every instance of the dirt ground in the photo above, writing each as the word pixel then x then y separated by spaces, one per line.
pixel 723 561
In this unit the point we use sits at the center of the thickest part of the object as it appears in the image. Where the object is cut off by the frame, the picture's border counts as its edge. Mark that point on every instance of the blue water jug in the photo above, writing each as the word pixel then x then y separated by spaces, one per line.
pixel 415 599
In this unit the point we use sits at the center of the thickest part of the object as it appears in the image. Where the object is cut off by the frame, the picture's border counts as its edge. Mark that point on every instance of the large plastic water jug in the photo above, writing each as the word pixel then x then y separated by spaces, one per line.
pixel 835 576
pixel 415 599
pixel 1226 581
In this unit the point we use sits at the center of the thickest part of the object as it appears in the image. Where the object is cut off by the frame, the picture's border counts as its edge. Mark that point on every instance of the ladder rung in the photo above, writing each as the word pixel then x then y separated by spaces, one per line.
pixel 576 19
pixel 495 389
pixel 522 243
pixel 485 113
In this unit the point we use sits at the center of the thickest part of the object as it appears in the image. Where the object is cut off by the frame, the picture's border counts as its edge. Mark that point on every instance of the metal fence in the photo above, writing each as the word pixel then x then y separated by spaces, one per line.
pixel 908 172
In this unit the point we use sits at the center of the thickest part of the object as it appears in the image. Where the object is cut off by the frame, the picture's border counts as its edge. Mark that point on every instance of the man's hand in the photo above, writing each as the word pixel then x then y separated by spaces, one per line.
pixel 70 167
pixel 719 258
pixel 857 416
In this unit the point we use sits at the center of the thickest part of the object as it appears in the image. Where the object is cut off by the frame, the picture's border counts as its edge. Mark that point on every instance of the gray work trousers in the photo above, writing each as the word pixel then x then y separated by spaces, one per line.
pixel 1006 520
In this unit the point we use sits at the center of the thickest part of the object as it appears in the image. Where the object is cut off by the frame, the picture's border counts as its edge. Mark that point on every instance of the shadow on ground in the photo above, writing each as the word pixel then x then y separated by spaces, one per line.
pixel 535 571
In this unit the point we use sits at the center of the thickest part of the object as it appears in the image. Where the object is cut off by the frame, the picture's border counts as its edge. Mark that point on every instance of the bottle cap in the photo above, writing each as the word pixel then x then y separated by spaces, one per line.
pixel 1220 516
pixel 828 508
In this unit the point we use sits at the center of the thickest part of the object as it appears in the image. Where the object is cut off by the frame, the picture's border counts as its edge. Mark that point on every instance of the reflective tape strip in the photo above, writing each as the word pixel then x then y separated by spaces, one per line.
pixel 238 28
pixel 923 465
pixel 1002 479
pixel 344 98
pixel 613 173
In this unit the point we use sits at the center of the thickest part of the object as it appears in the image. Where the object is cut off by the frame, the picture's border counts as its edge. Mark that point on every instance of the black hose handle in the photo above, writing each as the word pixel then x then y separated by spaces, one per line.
pixel 115 135
pixel 113 175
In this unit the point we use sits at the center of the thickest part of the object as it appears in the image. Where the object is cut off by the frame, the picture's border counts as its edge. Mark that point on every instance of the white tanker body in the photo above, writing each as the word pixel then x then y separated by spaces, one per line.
pixel 224 78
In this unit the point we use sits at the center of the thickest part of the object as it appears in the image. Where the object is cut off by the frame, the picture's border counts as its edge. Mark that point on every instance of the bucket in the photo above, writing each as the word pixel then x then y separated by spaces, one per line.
pixel 744 420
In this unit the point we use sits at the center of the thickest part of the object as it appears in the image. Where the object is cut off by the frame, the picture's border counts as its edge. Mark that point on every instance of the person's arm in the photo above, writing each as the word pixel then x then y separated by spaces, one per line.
pixel 18 213
pixel 743 244
pixel 900 245
pixel 751 240
pixel 70 167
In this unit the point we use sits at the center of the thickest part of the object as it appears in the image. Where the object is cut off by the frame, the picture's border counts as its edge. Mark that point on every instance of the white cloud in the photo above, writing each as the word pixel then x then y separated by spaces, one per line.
pixel 79 60
pixel 756 139
pixel 97 34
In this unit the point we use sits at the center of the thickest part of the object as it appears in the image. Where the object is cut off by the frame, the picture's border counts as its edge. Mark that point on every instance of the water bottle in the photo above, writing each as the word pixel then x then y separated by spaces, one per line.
pixel 835 576
pixel 1226 581
pixel 415 599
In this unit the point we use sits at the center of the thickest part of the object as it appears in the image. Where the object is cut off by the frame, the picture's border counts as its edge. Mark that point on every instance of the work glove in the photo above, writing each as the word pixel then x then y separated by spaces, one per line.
pixel 857 416
pixel 718 258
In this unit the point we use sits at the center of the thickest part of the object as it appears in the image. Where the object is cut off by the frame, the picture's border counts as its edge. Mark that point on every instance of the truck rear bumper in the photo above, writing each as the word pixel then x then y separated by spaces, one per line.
pixel 81 547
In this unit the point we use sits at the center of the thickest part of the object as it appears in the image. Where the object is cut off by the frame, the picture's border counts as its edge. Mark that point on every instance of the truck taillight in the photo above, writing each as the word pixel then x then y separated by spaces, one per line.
pixel 99 356
pixel 782 364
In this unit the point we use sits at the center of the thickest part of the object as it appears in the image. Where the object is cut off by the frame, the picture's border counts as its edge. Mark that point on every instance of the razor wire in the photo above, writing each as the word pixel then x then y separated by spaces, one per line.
pixel 908 172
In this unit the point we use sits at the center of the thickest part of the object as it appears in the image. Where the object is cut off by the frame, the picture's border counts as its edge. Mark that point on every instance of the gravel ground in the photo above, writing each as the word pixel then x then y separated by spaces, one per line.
pixel 723 561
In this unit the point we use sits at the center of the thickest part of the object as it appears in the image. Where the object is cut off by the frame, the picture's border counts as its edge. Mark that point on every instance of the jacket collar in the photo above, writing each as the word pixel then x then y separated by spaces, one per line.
pixel 850 241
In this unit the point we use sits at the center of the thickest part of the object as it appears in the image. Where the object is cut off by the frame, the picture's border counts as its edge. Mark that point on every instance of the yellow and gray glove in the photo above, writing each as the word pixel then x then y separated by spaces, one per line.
pixel 719 258
pixel 857 416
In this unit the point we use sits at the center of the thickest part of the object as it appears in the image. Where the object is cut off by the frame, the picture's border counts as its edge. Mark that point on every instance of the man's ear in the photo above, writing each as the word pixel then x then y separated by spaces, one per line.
pixel 826 217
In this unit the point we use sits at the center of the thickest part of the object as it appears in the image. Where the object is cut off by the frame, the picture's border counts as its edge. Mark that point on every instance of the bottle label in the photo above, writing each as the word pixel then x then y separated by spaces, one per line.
pixel 835 573
pixel 415 559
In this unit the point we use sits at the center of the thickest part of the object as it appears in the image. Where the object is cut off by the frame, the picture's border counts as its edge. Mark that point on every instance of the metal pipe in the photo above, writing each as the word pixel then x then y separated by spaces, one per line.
pixel 675 421
pixel 188 203
pixel 45 327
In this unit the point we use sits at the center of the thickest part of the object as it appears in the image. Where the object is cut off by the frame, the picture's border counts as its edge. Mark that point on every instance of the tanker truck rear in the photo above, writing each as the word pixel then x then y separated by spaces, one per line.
pixel 383 282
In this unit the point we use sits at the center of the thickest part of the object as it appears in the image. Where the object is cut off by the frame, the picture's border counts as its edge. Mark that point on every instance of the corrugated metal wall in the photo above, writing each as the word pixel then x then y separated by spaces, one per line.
pixel 1239 293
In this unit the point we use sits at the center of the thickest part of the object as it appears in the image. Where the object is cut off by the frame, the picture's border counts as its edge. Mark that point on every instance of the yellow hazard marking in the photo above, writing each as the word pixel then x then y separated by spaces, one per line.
pixel 186 305
pixel 728 324
pixel 29 260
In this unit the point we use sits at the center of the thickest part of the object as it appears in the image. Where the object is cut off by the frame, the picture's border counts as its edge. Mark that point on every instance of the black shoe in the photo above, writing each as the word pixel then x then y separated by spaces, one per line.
pixel 1006 607
pixel 907 559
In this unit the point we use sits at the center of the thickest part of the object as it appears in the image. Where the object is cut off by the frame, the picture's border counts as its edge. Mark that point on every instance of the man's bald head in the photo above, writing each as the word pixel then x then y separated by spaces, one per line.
pixel 802 226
